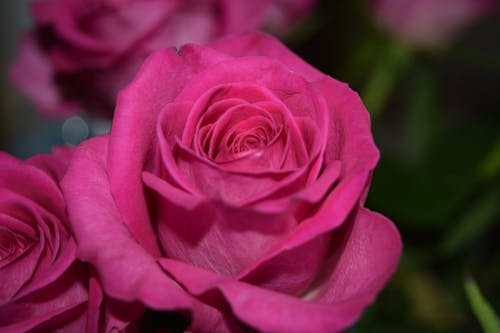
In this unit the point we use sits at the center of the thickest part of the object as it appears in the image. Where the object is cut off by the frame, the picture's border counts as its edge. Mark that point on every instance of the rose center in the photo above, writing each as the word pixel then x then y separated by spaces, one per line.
pixel 12 245
pixel 238 131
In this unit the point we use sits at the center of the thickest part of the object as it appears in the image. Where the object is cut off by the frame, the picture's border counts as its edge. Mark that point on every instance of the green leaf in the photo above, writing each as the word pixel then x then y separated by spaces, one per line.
pixel 490 167
pixel 485 314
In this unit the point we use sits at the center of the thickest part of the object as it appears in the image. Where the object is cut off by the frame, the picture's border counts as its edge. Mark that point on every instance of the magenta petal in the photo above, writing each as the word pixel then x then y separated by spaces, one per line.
pixel 47 270
pixel 262 309
pixel 54 164
pixel 33 184
pixel 333 212
pixel 32 213
pixel 65 296
pixel 169 128
pixel 177 196
pixel 261 76
pixel 126 161
pixel 362 266
pixel 260 44
pixel 102 235
pixel 94 303
pixel 349 136
pixel 368 258
pixel 238 188
pixel 212 235
pixel 306 242
pixel 282 274
pixel 209 319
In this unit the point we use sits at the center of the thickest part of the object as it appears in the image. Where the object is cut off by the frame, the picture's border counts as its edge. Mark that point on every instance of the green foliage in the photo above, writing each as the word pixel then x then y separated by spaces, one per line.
pixel 483 311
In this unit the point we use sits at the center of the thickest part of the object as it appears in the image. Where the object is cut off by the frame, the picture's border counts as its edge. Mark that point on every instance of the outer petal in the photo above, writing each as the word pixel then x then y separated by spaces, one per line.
pixel 129 275
pixel 30 199
pixel 261 44
pixel 277 269
pixel 31 183
pixel 349 136
pixel 369 257
pixel 158 82
pixel 54 164
pixel 60 304
pixel 261 309
pixel 366 256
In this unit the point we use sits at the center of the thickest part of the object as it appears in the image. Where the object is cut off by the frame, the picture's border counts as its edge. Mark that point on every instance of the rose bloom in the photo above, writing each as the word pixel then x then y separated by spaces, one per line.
pixel 43 288
pixel 429 23
pixel 231 187
pixel 82 52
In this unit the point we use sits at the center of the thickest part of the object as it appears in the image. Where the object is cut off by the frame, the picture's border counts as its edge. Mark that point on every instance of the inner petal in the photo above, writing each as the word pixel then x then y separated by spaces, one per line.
pixel 242 128
pixel 16 237
pixel 240 132
pixel 215 102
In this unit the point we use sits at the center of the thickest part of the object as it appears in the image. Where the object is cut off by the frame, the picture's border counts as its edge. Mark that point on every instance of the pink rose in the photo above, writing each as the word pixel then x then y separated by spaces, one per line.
pixel 232 186
pixel 81 53
pixel 429 23
pixel 43 288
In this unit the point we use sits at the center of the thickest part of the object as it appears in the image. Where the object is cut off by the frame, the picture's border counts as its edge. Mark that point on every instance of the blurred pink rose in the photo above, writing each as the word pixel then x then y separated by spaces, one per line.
pixel 232 186
pixel 429 23
pixel 43 288
pixel 82 52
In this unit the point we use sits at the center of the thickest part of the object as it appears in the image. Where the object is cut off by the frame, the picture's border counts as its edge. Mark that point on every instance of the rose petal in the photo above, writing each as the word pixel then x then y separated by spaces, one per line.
pixel 262 309
pixel 32 207
pixel 211 235
pixel 279 264
pixel 33 184
pixel 54 164
pixel 102 235
pixel 260 44
pixel 237 188
pixel 361 266
pixel 171 122
pixel 126 162
pixel 62 298
pixel 349 137
pixel 300 97
pixel 340 304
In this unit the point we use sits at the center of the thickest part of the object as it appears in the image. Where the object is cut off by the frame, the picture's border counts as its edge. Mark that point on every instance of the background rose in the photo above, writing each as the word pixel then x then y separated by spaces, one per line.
pixel 44 288
pixel 81 53
pixel 429 23
pixel 255 166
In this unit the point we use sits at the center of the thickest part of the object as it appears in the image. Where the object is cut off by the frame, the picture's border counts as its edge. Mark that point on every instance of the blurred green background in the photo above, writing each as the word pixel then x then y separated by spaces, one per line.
pixel 436 120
